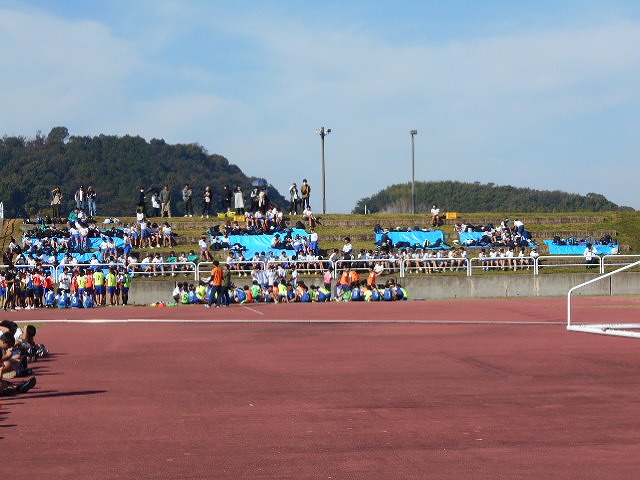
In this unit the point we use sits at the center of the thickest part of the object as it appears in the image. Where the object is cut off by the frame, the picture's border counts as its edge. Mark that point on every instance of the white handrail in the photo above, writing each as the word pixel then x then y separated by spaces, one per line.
pixel 588 282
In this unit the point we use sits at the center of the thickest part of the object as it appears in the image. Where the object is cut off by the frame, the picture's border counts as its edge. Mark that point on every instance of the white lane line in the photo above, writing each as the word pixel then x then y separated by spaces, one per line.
pixel 303 321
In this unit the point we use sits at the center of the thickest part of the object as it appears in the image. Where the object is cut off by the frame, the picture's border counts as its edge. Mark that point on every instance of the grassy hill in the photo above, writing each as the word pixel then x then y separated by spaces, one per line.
pixel 477 197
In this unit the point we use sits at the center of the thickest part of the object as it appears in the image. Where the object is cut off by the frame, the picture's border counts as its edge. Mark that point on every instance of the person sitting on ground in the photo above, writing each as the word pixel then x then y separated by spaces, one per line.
pixel 276 242
pixel 62 299
pixel 308 217
pixel 193 295
pixel 167 235
pixel 11 357
pixel 282 291
pixel 347 249
pixel 10 365
pixel 591 256
pixel 240 294
pixel 436 218
pixel 205 256
pixel 177 292
pixel 30 349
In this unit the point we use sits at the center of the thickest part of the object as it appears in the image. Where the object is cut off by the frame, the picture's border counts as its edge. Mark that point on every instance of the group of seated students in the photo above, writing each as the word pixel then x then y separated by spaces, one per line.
pixel 350 287
pixel 45 242
pixel 269 220
pixel 507 234
pixel 304 261
pixel 278 292
pixel 76 288
pixel 19 349
pixel 507 259
pixel 290 292
pixel 605 240
pixel 434 261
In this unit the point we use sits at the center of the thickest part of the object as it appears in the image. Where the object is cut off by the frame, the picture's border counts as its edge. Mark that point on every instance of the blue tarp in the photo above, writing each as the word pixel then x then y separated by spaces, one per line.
pixel 417 238
pixel 579 249
pixel 262 243
pixel 466 236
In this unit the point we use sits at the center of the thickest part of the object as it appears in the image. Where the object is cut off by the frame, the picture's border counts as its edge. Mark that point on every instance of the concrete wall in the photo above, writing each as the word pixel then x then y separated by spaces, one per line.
pixel 511 286
pixel 145 292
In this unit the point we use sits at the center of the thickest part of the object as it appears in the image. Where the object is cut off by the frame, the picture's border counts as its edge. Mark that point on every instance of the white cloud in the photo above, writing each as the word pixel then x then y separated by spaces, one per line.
pixel 58 69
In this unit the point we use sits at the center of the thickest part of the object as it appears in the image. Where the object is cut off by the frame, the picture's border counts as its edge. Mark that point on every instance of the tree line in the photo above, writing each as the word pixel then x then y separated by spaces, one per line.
pixel 477 197
pixel 117 167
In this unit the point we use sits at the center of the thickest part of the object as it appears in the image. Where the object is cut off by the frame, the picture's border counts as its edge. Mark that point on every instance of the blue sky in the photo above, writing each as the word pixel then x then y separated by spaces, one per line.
pixel 541 94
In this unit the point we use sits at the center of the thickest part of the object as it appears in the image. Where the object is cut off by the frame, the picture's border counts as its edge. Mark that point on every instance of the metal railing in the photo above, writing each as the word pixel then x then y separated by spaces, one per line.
pixel 401 267
pixel 551 262
pixel 419 266
pixel 391 265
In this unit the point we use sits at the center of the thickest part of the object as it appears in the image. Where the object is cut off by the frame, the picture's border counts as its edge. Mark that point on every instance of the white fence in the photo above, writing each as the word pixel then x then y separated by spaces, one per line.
pixel 401 267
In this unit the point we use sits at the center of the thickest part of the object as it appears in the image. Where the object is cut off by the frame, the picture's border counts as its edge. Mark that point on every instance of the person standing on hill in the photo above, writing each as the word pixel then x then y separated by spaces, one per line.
pixel 141 202
pixel 255 192
pixel 263 201
pixel 91 201
pixel 206 202
pixel 295 199
pixel 81 198
pixel 238 199
pixel 156 206
pixel 305 192
pixel 56 202
pixel 165 202
pixel 186 197
pixel 227 197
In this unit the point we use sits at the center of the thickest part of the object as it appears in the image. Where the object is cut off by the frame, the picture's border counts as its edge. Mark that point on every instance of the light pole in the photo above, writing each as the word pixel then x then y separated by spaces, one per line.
pixel 323 132
pixel 413 171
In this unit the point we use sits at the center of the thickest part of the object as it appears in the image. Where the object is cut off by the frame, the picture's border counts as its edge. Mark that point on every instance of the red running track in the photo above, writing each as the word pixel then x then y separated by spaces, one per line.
pixel 318 395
